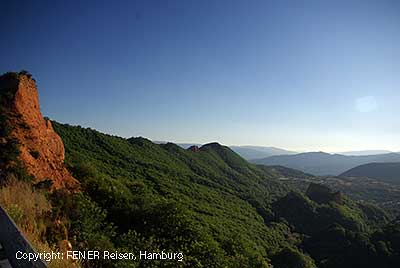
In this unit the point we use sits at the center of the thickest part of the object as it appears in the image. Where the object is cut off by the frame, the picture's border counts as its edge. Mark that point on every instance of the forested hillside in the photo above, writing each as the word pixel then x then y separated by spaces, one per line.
pixel 383 194
pixel 213 192
pixel 243 215
pixel 385 172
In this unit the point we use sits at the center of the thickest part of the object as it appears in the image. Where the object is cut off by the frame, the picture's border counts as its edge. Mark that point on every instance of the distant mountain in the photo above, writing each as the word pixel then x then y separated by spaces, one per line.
pixel 366 152
pixel 320 163
pixel 386 172
pixel 286 172
pixel 255 152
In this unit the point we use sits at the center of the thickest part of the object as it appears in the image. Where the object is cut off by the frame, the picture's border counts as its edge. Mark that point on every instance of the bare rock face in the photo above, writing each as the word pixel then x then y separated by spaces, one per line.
pixel 41 149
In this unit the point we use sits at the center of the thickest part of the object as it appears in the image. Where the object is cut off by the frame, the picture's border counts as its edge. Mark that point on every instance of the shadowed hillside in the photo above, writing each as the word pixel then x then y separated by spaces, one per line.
pixel 385 172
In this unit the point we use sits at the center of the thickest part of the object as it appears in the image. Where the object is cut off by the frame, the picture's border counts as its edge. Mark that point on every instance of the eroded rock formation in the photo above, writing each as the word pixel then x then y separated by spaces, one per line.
pixel 41 148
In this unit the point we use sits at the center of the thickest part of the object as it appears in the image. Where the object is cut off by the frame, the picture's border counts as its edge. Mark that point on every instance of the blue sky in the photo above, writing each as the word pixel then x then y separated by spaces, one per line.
pixel 302 75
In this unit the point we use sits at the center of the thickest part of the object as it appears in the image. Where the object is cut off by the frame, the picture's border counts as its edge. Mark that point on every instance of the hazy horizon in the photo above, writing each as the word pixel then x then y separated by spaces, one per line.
pixel 302 76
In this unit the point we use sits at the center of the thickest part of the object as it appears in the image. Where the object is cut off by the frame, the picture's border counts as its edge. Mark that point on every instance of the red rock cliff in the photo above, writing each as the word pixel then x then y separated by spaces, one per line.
pixel 42 150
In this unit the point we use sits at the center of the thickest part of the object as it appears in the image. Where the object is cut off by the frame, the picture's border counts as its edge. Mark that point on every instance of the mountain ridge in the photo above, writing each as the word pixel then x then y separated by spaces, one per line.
pixel 248 152
pixel 321 163
pixel 366 152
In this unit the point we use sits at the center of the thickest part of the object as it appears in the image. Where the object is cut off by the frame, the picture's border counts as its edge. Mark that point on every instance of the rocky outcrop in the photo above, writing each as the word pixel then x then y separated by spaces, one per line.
pixel 194 148
pixel 41 149
pixel 322 194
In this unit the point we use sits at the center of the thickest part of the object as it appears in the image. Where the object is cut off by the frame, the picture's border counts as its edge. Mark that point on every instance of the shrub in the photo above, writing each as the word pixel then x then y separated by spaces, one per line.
pixel 289 257
pixel 30 210
pixel 17 198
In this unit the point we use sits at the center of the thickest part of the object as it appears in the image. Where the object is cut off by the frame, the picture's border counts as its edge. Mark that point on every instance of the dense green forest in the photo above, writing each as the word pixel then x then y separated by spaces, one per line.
pixel 216 207
pixel 165 193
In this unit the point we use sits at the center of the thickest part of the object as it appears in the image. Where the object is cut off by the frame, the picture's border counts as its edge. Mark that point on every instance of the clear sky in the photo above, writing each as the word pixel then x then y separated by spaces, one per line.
pixel 301 75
